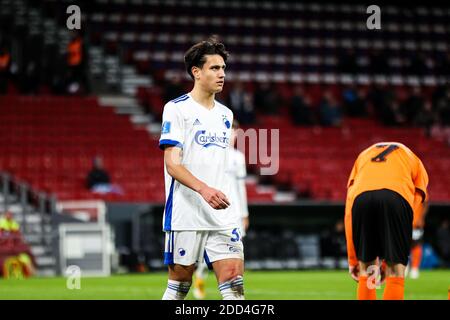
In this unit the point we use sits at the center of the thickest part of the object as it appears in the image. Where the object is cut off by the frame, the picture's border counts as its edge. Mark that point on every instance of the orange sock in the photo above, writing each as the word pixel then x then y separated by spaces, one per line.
pixel 395 288
pixel 364 293
pixel 416 256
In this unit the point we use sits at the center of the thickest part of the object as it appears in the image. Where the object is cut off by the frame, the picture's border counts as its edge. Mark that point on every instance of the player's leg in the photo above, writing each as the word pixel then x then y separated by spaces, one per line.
pixel 366 242
pixel 416 253
pixel 180 255
pixel 396 240
pixel 395 282
pixel 230 277
pixel 416 258
pixel 179 283
pixel 200 275
pixel 368 277
pixel 225 252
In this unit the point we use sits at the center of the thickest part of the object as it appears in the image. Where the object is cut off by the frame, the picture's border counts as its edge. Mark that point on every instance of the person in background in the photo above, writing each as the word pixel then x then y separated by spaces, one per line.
pixel 199 221
pixel 386 190
pixel 5 62
pixel 99 181
pixel 443 242
pixel 417 244
pixel 76 62
pixel 9 229
pixel 237 172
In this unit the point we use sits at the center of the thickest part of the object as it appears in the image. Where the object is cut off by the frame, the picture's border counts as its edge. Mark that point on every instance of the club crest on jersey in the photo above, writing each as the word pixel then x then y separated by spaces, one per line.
pixel 211 139
pixel 165 127
pixel 226 122
pixel 182 252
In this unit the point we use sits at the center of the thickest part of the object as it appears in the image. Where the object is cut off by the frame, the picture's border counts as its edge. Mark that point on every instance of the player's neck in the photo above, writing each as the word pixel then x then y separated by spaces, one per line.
pixel 203 98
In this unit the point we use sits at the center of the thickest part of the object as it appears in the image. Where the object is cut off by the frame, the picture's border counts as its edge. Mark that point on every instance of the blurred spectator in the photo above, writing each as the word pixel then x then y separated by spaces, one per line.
pixel 98 179
pixel 8 226
pixel 241 102
pixel 266 98
pixel 425 118
pixel 30 72
pixel 385 106
pixel 77 81
pixel 301 108
pixel 333 243
pixel 439 93
pixel 413 105
pixel 443 242
pixel 347 62
pixel 391 115
pixel 443 107
pixel 330 111
pixel 446 66
pixel 10 234
pixel 5 63
pixel 378 63
pixel 16 258
pixel 354 102
pixel 173 88
pixel 417 64
pixel 54 68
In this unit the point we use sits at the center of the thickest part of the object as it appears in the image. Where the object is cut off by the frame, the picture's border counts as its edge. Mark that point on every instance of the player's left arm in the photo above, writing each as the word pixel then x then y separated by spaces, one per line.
pixel 172 158
pixel 420 179
pixel 351 254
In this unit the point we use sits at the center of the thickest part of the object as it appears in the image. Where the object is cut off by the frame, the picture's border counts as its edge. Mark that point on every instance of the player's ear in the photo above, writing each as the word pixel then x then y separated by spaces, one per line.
pixel 195 72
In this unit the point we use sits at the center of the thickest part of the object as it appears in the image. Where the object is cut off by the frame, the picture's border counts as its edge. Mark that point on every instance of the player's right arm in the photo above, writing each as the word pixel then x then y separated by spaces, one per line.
pixel 172 158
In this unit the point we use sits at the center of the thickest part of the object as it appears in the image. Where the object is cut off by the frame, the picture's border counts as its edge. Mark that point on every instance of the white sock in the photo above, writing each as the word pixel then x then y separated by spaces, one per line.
pixel 233 289
pixel 176 290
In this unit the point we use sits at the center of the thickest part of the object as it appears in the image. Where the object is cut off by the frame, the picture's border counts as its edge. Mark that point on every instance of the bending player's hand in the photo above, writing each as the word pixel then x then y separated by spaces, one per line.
pixel 215 198
pixel 383 267
pixel 354 272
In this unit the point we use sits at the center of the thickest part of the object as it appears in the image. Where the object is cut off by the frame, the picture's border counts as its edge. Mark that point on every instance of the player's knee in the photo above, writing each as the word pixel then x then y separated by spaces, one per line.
pixel 181 273
pixel 396 270
pixel 231 273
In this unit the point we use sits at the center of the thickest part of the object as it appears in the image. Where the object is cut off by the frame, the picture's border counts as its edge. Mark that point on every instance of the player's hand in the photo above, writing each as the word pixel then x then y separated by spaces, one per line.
pixel 383 272
pixel 354 272
pixel 215 198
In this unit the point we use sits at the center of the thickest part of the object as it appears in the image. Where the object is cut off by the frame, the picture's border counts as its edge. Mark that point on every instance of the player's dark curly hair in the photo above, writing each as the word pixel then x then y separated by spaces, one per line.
pixel 195 56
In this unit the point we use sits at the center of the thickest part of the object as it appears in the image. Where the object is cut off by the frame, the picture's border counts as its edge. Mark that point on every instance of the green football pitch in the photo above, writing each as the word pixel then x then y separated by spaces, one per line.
pixel 264 285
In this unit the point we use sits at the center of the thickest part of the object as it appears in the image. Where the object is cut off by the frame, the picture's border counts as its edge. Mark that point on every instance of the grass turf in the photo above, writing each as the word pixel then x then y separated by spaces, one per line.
pixel 263 285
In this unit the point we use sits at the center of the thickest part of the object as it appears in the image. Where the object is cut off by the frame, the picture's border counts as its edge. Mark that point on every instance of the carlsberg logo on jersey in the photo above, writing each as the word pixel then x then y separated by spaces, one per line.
pixel 211 139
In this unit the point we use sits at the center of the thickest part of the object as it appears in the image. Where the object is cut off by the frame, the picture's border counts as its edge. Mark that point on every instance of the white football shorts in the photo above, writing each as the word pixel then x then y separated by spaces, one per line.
pixel 190 247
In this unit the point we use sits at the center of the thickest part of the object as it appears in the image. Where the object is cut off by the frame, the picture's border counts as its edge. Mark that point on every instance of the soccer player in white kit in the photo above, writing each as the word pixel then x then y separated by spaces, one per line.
pixel 237 171
pixel 199 220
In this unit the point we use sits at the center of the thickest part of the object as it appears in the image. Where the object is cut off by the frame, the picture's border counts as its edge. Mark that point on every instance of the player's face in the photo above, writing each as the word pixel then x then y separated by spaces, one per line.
pixel 212 75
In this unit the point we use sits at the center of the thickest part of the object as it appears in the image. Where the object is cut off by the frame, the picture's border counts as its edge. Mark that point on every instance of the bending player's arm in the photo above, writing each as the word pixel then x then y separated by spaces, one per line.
pixel 353 265
pixel 421 195
pixel 172 158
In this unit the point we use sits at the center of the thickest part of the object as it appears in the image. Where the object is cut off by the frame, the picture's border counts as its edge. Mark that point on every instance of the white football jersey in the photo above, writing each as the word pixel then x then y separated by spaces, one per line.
pixel 204 136
pixel 238 196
